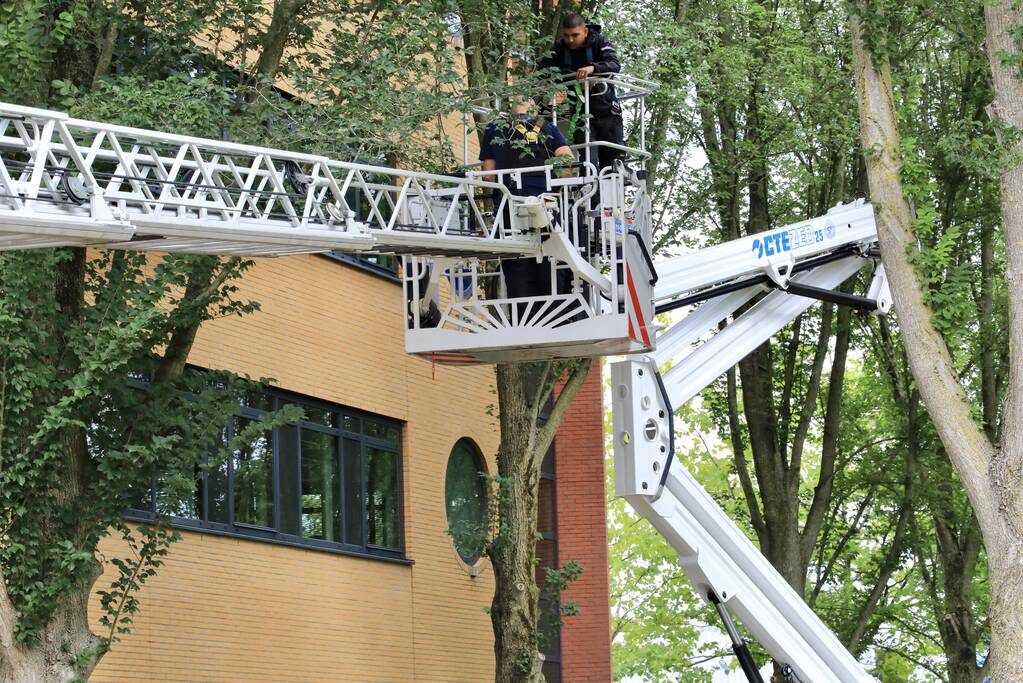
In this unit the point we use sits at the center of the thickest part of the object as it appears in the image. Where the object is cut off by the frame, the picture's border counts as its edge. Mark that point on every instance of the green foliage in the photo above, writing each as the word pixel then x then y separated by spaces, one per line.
pixel 746 85
pixel 661 630
pixel 74 436
pixel 891 667
pixel 79 436
pixel 200 106
pixel 555 582
pixel 31 34
pixel 149 546
pixel 524 663
pixel 746 82
pixel 385 74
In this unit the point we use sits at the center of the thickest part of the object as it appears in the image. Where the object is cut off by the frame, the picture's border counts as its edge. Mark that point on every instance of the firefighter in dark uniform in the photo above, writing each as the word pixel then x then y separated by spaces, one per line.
pixel 523 141
pixel 584 51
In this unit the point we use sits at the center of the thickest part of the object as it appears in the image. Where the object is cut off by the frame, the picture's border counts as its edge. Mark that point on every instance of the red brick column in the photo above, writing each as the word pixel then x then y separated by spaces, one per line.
pixel 582 535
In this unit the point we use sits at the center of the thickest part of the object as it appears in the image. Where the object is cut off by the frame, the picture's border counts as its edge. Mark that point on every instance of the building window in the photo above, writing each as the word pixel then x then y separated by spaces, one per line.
pixel 547 556
pixel 331 480
pixel 465 494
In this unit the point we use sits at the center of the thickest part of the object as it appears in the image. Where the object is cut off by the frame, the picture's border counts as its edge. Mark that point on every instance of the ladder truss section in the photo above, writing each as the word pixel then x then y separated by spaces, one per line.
pixel 70 182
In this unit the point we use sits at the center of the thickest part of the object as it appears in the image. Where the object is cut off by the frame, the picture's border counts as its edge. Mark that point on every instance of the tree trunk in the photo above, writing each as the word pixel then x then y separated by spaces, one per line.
pixel 1005 569
pixel 272 43
pixel 515 609
pixel 1004 22
pixel 282 24
pixel 957 626
pixel 67 650
pixel 957 551
pixel 523 389
pixel 991 476
pixel 107 40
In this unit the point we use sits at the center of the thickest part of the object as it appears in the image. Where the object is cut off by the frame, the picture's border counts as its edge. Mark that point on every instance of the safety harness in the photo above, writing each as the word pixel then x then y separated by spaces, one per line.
pixel 533 135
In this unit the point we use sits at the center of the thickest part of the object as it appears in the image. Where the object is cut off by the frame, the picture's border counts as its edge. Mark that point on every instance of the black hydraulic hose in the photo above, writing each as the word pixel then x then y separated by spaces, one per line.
pixel 671 428
pixel 713 292
pixel 646 256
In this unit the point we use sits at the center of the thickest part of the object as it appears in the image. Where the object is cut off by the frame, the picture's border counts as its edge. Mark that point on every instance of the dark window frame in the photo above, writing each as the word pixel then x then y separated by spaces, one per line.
pixel 340 434
pixel 361 263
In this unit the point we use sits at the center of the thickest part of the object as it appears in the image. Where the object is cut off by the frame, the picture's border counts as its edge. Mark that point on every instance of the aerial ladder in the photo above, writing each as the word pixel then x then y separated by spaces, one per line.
pixel 71 182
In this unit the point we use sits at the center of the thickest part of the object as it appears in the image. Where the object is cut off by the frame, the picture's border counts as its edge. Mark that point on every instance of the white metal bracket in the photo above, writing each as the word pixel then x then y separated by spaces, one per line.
pixel 879 290
pixel 779 269
pixel 641 428
pixel 558 246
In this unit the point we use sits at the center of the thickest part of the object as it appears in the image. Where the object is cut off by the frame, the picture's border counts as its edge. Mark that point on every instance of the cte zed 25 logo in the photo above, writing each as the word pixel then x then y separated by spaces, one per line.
pixel 793 238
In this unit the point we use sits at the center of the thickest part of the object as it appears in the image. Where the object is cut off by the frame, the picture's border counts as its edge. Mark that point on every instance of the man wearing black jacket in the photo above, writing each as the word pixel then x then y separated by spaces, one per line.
pixel 584 51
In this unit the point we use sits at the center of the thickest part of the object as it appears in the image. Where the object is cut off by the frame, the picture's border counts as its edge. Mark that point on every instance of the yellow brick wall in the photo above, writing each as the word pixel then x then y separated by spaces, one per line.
pixel 228 609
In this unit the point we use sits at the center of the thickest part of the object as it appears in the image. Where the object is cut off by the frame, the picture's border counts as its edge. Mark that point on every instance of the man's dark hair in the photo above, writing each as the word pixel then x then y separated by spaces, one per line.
pixel 572 20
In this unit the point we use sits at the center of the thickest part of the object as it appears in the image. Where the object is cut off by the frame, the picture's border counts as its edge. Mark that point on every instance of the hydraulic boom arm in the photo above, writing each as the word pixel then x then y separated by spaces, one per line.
pixel 716 555
pixel 71 182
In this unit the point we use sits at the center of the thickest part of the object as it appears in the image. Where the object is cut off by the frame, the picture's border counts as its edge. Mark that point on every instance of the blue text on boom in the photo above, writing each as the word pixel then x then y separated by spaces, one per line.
pixel 793 238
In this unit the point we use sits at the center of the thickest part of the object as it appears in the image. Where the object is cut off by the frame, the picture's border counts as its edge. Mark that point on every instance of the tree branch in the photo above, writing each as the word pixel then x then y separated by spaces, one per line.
pixel 788 385
pixel 545 435
pixel 888 566
pixel 813 386
pixel 829 446
pixel 200 282
pixel 543 391
pixel 741 466
pixel 846 537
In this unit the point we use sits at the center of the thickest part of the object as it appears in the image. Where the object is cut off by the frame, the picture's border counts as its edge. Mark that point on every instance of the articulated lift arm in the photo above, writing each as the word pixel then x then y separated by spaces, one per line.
pixel 70 182
pixel 716 555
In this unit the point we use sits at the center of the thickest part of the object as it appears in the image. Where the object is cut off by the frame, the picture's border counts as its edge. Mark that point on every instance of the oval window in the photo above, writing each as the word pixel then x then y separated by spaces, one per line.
pixel 465 495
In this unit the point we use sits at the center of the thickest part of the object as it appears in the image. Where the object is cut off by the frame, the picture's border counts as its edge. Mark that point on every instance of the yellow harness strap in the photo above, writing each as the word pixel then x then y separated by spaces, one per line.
pixel 532 136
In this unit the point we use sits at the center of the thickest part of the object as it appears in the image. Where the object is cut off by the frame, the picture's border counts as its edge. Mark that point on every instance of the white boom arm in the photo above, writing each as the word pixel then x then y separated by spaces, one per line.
pixel 72 182
pixel 716 555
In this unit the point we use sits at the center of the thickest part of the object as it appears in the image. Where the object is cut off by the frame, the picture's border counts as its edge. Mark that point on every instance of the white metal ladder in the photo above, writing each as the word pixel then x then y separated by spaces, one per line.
pixel 70 182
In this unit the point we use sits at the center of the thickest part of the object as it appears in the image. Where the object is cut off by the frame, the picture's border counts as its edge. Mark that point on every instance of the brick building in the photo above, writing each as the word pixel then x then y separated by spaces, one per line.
pixel 321 552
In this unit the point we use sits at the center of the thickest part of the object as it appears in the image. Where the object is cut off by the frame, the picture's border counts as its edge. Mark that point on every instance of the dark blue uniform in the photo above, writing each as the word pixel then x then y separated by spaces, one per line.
pixel 605 109
pixel 522 141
